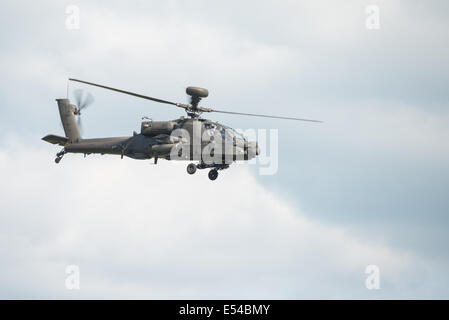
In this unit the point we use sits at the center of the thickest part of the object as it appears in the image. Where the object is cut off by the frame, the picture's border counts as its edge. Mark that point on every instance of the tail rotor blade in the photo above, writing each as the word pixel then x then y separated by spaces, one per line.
pixel 80 124
pixel 89 99
pixel 78 94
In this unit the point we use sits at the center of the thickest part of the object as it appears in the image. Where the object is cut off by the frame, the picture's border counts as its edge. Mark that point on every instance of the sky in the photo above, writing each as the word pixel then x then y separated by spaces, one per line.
pixel 368 186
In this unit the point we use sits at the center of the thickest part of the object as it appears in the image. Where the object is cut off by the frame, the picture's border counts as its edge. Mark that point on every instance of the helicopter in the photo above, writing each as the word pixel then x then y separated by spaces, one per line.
pixel 211 144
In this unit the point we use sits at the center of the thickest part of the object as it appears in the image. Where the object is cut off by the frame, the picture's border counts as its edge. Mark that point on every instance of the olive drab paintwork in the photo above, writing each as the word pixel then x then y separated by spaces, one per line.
pixel 155 139
pixel 213 145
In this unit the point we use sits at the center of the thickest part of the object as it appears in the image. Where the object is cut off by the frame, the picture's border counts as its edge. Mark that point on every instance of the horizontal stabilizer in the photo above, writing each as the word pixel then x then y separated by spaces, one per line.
pixel 54 139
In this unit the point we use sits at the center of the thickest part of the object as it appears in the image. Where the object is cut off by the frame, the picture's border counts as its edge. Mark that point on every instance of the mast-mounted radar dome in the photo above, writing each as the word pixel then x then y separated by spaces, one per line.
pixel 197 92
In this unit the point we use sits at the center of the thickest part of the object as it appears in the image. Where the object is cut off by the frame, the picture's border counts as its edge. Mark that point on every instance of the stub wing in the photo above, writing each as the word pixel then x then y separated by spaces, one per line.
pixel 54 139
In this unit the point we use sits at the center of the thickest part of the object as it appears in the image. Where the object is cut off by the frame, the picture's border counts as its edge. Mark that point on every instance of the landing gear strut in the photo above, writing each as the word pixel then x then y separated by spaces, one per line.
pixel 213 174
pixel 59 156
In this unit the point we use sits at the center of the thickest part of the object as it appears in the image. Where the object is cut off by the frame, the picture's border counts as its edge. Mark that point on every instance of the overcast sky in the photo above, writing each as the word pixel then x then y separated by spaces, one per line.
pixel 366 187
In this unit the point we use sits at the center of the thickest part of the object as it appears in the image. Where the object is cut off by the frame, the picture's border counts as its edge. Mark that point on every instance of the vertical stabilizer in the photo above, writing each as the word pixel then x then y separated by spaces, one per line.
pixel 67 113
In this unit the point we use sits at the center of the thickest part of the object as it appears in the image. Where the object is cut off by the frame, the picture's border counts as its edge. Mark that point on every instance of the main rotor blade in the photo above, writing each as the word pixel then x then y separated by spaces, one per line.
pixel 130 93
pixel 264 116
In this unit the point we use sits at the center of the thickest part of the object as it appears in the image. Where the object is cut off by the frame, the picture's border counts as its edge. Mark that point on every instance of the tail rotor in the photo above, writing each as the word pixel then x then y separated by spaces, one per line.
pixel 82 100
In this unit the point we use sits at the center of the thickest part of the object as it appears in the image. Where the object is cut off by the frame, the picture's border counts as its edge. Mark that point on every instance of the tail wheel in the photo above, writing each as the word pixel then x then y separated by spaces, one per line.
pixel 191 168
pixel 213 174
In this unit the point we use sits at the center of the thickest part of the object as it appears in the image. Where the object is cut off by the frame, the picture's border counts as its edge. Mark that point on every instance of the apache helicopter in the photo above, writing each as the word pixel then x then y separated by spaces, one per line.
pixel 213 145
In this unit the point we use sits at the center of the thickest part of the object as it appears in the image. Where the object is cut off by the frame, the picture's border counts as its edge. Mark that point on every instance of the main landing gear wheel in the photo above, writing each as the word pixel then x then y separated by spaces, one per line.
pixel 59 156
pixel 213 174
pixel 191 168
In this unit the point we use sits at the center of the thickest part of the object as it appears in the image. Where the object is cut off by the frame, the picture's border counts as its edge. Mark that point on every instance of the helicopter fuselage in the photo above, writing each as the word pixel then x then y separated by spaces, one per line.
pixel 212 144
pixel 180 139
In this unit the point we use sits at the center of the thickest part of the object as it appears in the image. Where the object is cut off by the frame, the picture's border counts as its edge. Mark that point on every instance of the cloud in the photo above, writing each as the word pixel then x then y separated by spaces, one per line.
pixel 144 231
pixel 379 162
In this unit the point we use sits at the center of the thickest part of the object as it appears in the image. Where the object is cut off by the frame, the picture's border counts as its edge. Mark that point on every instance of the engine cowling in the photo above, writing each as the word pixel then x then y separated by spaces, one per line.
pixel 154 128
